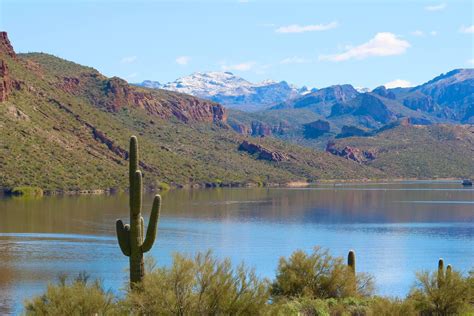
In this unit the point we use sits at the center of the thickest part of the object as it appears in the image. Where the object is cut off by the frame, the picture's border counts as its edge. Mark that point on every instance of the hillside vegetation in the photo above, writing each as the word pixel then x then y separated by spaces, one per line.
pixel 419 151
pixel 65 127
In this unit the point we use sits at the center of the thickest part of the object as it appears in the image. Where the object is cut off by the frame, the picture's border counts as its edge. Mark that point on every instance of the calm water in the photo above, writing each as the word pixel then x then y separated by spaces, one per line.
pixel 395 229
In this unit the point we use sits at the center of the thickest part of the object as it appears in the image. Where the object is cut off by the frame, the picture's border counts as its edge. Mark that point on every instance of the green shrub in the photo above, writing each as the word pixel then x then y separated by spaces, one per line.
pixel 318 275
pixel 375 306
pixel 454 296
pixel 163 186
pixel 198 286
pixel 26 191
pixel 381 306
pixel 75 298
pixel 297 307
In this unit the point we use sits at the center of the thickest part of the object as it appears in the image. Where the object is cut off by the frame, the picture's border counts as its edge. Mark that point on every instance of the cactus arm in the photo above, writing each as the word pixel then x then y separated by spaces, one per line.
pixel 123 236
pixel 152 225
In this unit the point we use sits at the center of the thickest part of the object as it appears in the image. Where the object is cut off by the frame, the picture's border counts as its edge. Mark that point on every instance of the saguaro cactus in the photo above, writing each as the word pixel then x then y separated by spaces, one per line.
pixel 351 261
pixel 449 271
pixel 440 278
pixel 130 236
pixel 351 264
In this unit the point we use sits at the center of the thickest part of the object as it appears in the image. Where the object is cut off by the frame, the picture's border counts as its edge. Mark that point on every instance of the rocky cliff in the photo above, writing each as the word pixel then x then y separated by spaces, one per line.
pixel 5 45
pixel 185 108
pixel 5 81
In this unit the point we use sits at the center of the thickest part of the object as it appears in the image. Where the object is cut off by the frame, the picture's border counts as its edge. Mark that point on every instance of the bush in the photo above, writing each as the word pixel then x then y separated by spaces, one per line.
pixel 318 275
pixel 198 286
pixel 26 191
pixel 454 296
pixel 375 306
pixel 163 186
pixel 76 298
pixel 297 307
pixel 381 306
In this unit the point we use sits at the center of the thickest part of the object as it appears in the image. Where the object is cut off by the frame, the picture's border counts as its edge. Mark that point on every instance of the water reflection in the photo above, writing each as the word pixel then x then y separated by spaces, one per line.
pixel 395 229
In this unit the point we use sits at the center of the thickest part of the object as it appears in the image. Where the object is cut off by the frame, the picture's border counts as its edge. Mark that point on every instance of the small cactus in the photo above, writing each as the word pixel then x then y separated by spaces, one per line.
pixel 351 261
pixel 130 237
pixel 351 264
pixel 440 278
pixel 449 271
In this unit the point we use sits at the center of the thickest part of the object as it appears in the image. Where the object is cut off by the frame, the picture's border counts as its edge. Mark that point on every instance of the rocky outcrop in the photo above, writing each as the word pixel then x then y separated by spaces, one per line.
pixel 349 131
pixel 351 153
pixel 161 103
pixel 420 102
pixel 419 121
pixel 240 127
pixel 316 129
pixel 371 106
pixel 383 92
pixel 262 152
pixel 281 128
pixel 5 81
pixel 260 129
pixel 5 45
pixel 69 84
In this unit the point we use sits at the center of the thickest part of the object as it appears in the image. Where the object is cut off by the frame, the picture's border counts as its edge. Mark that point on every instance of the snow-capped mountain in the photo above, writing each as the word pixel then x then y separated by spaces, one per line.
pixel 231 90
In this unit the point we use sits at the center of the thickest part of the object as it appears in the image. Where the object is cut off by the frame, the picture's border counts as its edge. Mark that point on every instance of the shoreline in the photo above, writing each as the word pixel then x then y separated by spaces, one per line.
pixel 207 185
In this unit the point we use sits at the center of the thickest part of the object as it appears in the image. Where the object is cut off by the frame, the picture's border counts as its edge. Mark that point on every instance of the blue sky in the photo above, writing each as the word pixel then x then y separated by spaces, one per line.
pixel 313 43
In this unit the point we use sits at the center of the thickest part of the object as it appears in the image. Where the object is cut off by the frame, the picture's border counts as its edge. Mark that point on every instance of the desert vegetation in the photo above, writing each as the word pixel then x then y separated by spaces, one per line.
pixel 313 283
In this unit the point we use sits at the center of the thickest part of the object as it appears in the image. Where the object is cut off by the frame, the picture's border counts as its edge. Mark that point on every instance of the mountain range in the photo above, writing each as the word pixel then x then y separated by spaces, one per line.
pixel 65 127
pixel 283 110
pixel 340 111
pixel 230 90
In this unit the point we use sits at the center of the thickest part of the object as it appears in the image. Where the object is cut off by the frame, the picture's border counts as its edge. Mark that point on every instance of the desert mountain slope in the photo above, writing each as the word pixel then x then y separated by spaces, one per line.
pixel 66 127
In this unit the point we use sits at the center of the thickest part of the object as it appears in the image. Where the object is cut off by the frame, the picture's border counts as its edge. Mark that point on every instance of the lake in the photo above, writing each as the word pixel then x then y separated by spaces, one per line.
pixel 395 229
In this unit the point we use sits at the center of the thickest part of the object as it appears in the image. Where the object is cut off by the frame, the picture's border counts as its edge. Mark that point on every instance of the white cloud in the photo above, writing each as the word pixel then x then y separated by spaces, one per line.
pixel 471 61
pixel 382 44
pixel 398 83
pixel 183 60
pixel 436 7
pixel 128 59
pixel 295 28
pixel 295 60
pixel 418 33
pixel 433 33
pixel 246 66
pixel 467 29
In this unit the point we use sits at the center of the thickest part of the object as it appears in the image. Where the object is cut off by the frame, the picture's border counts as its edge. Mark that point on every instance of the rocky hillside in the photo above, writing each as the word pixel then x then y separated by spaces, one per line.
pixel 433 151
pixel 231 90
pixel 66 127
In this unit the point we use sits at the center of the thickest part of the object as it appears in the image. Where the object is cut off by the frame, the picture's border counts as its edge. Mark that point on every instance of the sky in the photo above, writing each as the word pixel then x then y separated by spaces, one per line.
pixel 311 43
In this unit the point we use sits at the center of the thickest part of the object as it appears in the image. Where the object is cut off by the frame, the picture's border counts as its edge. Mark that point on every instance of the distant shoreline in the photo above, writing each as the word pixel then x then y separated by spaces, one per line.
pixel 293 184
